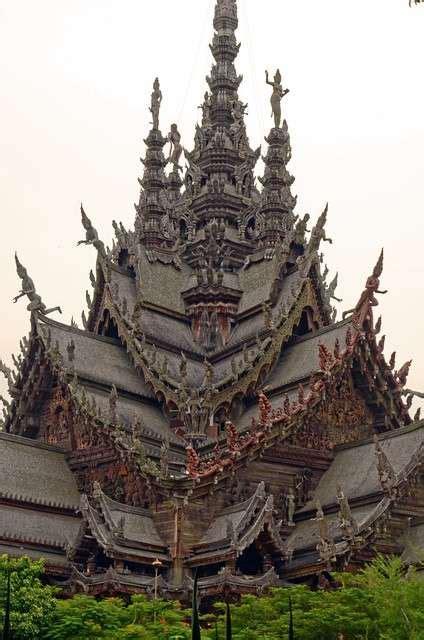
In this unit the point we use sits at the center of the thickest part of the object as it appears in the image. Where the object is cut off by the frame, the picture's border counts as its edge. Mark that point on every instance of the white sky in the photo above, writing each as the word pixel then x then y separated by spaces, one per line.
pixel 76 78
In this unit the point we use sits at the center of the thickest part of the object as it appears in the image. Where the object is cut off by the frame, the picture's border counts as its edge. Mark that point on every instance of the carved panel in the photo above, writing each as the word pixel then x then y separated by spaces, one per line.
pixel 342 417
pixel 58 420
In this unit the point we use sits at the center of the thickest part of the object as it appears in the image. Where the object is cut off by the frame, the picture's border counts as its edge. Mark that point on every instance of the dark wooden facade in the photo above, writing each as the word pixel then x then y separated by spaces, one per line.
pixel 212 413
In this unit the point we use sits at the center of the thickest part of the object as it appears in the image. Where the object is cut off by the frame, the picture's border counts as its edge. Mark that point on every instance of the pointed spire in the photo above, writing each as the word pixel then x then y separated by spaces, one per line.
pixel 278 201
pixel 152 203
pixel 223 81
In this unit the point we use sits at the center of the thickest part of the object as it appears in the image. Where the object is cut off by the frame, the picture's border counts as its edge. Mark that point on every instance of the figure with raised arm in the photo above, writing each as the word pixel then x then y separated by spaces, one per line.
pixel 278 94
pixel 91 235
pixel 28 289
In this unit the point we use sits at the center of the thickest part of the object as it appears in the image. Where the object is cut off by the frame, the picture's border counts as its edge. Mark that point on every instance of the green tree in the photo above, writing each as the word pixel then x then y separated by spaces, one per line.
pixel 379 603
pixel 85 618
pixel 32 604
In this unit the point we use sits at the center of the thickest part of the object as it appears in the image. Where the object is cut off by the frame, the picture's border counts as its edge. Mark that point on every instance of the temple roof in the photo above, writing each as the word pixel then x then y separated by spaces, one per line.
pixel 122 530
pixel 36 527
pixel 356 472
pixel 35 473
pixel 96 359
pixel 301 359
pixel 210 368
pixel 360 459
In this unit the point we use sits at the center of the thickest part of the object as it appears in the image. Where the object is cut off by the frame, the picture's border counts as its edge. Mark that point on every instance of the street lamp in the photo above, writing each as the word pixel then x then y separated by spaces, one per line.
pixel 157 565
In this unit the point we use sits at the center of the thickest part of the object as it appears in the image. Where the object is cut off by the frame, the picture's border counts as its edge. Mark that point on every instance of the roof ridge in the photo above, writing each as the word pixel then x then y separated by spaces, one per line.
pixel 31 442
pixel 322 331
pixel 77 330
pixel 126 508
pixel 394 433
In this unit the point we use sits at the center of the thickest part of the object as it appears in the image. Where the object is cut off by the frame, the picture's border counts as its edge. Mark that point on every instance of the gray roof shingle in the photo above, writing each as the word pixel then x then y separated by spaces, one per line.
pixel 99 359
pixel 35 473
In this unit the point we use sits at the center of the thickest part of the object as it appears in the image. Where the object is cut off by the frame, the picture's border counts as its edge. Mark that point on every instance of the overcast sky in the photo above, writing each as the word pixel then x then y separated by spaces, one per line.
pixel 76 78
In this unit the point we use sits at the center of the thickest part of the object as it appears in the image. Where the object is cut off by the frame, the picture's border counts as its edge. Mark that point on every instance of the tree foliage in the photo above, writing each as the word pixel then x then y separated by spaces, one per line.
pixel 381 602
pixel 31 603
pixel 84 617
pixel 378 603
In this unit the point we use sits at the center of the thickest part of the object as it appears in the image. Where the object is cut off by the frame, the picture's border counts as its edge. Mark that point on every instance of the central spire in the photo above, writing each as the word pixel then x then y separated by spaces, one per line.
pixel 223 81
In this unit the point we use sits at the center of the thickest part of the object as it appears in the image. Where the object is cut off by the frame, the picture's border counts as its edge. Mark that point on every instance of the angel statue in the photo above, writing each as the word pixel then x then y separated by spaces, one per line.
pixel 156 101
pixel 91 235
pixel 28 289
pixel 278 94
pixel 175 150
pixel 206 110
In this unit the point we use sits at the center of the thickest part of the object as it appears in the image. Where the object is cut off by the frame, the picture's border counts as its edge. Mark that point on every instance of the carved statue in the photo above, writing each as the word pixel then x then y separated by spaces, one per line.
pixel 164 458
pixel 183 366
pixel 290 507
pixel 403 373
pixel 331 290
pixel 385 470
pixel 209 373
pixel 318 233
pixel 206 110
pixel 113 401
pixel 326 546
pixel 278 94
pixel 156 101
pixel 301 229
pixel 238 110
pixel 371 288
pixel 347 522
pixel 176 148
pixel 91 235
pixel 28 289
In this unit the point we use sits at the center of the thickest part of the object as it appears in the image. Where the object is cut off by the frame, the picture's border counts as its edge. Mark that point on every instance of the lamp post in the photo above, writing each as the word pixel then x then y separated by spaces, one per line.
pixel 6 625
pixel 157 565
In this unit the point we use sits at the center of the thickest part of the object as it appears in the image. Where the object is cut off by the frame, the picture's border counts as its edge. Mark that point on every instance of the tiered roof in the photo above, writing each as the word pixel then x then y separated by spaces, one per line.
pixel 211 397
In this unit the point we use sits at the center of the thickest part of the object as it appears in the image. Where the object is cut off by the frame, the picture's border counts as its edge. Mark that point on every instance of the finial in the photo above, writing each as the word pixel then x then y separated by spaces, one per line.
pixel 278 94
pixel 332 289
pixel 403 373
pixel 28 289
pixel 368 300
pixel 91 235
pixel 156 101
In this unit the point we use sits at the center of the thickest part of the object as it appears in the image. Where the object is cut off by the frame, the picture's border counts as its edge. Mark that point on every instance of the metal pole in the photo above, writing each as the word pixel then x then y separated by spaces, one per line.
pixel 6 627
pixel 156 595
pixel 157 564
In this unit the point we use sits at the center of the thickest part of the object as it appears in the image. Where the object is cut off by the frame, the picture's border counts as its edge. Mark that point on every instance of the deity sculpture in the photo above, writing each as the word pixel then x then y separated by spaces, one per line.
pixel 175 150
pixel 290 507
pixel 278 94
pixel 28 289
pixel 238 110
pixel 91 235
pixel 372 285
pixel 318 234
pixel 301 229
pixel 156 101
pixel 206 110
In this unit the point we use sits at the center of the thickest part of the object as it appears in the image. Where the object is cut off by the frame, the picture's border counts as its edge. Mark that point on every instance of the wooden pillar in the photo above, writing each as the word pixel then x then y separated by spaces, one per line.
pixel 177 568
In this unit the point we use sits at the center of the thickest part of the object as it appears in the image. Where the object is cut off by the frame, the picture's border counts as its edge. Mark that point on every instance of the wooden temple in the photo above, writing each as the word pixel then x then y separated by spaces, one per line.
pixel 212 413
